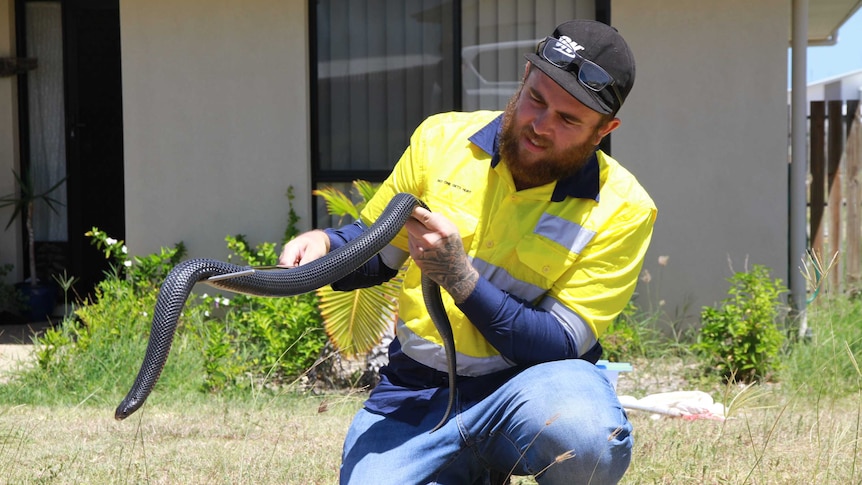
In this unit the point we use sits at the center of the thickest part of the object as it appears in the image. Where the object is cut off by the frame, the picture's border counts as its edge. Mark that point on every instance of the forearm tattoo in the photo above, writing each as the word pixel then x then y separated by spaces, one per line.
pixel 449 267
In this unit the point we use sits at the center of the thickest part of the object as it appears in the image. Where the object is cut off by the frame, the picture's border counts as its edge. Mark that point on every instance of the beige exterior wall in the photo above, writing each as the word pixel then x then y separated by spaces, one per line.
pixel 706 131
pixel 215 110
pixel 10 239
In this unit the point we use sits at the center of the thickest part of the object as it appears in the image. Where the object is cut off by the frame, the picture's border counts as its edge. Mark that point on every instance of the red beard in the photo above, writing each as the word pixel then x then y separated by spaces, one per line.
pixel 530 169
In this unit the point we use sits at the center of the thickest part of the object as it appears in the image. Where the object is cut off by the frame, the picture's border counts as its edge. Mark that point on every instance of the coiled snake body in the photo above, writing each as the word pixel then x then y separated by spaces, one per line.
pixel 334 266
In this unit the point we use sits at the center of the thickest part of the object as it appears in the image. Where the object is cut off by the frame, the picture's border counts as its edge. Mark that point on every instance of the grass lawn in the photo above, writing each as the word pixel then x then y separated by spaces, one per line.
pixel 771 438
pixel 205 443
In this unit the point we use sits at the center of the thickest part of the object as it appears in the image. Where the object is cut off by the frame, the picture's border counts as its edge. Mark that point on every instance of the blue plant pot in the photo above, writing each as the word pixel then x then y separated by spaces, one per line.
pixel 39 299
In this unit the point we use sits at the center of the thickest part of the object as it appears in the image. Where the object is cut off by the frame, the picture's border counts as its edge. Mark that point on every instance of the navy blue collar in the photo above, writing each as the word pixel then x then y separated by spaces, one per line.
pixel 583 185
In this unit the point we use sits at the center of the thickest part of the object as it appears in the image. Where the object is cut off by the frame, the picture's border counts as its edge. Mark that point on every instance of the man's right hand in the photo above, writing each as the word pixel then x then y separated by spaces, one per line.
pixel 304 248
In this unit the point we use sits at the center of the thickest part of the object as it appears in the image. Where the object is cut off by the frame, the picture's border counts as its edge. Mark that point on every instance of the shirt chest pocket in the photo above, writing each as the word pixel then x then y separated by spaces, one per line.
pixel 542 262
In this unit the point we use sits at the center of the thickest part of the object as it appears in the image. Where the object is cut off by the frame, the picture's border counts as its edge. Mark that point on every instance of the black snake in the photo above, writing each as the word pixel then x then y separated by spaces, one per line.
pixel 334 266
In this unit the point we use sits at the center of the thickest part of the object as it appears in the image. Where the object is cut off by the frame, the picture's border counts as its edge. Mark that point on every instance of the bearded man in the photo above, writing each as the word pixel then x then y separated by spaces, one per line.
pixel 536 237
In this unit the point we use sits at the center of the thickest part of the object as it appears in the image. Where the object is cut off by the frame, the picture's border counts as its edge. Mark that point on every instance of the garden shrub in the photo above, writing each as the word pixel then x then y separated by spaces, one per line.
pixel 219 342
pixel 94 354
pixel 623 338
pixel 741 339
pixel 277 338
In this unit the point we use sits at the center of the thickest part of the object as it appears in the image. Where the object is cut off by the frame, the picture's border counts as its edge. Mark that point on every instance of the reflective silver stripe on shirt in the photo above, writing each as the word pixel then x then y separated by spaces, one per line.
pixel 574 325
pixel 568 234
pixel 433 355
pixel 503 280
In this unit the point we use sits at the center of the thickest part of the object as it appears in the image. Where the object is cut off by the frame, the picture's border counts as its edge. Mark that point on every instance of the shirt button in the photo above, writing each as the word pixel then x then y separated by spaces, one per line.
pixel 546 269
pixel 489 244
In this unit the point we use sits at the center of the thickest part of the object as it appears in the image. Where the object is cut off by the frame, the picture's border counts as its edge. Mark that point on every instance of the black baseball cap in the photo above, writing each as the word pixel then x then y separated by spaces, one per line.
pixel 601 45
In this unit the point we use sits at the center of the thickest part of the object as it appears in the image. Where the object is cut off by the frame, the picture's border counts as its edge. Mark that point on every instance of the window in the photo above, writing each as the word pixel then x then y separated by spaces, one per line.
pixel 380 67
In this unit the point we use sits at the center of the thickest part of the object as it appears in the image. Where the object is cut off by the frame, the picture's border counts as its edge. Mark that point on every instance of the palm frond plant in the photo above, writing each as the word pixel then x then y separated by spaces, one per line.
pixel 356 320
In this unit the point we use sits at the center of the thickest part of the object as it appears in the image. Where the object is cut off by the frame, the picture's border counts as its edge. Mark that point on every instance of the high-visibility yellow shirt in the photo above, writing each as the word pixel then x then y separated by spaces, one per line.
pixel 573 248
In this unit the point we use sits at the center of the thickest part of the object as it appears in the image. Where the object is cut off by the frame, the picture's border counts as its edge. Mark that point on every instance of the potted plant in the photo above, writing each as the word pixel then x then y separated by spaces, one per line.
pixel 39 297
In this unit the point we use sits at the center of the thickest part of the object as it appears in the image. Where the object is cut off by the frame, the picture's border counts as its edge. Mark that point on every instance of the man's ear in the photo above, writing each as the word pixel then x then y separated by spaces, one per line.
pixel 606 130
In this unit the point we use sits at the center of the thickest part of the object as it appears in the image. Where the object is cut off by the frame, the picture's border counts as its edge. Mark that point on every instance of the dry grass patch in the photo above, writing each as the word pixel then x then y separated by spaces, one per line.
pixel 210 443
pixel 790 442
pixel 772 437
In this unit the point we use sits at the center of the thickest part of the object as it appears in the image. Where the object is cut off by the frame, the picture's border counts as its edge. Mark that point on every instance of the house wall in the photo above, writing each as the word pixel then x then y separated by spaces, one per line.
pixel 706 131
pixel 216 128
pixel 10 242
pixel 215 113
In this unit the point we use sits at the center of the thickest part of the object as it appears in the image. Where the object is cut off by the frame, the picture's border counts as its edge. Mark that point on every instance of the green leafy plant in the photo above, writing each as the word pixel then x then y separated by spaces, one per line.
pixel 632 334
pixel 220 359
pixel 281 337
pixel 93 353
pixel 143 272
pixel 122 305
pixel 275 338
pixel 741 339
pixel 222 342
pixel 67 284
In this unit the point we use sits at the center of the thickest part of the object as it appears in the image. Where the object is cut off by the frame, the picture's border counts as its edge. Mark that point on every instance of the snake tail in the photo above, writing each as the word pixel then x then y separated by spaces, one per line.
pixel 434 304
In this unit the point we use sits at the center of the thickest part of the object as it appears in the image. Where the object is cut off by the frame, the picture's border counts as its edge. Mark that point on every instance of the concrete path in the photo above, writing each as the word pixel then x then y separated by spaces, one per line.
pixel 16 344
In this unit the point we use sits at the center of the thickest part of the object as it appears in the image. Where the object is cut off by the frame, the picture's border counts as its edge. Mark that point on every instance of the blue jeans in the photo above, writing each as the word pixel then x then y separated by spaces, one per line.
pixel 559 421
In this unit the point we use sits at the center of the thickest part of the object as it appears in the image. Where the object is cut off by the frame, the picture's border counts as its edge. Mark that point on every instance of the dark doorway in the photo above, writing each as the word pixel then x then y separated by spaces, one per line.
pixel 92 110
pixel 94 116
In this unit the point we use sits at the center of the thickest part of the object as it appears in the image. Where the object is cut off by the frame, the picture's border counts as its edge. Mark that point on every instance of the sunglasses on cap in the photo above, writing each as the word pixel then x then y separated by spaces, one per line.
pixel 561 54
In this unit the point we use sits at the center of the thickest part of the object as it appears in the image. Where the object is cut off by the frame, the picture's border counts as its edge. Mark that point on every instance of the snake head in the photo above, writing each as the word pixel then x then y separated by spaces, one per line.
pixel 126 408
